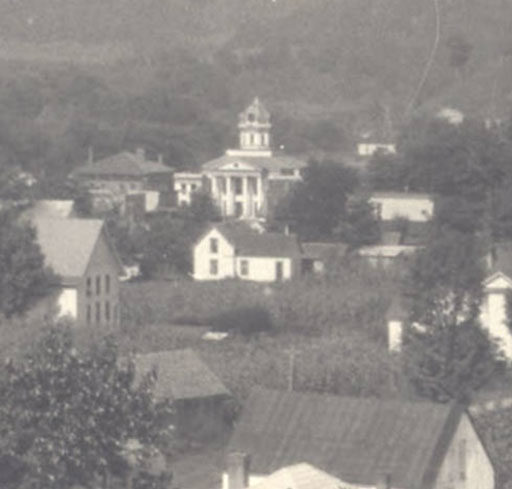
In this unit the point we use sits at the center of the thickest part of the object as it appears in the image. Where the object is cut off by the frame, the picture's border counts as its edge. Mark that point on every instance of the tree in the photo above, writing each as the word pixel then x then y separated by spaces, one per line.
pixel 316 205
pixel 202 209
pixel 68 417
pixel 360 227
pixel 23 277
pixel 447 353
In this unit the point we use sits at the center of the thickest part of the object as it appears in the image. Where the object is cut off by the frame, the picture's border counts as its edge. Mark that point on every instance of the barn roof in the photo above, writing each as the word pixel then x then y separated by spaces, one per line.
pixel 181 374
pixel 358 440
pixel 122 164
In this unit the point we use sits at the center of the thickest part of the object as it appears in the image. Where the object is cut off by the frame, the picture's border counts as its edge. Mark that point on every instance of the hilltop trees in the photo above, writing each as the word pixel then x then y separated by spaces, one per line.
pixel 23 276
pixel 447 354
pixel 68 417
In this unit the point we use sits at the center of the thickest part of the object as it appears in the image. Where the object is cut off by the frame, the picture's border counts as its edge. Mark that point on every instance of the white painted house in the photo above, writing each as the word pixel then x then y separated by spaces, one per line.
pixel 391 444
pixel 185 185
pixel 234 250
pixel 415 207
pixel 369 148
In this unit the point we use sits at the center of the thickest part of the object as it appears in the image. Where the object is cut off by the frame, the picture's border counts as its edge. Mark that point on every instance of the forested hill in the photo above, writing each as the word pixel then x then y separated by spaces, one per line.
pixel 340 54
pixel 175 72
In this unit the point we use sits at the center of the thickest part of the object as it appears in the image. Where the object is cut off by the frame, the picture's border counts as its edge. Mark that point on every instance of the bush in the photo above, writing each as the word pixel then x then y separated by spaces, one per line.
pixel 244 320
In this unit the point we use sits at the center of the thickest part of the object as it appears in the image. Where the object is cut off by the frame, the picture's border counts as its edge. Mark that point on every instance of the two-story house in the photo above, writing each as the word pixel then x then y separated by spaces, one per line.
pixel 83 257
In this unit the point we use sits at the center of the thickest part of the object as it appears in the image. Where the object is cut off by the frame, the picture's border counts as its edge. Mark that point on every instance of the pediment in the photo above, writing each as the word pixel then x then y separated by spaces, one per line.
pixel 238 166
pixel 498 281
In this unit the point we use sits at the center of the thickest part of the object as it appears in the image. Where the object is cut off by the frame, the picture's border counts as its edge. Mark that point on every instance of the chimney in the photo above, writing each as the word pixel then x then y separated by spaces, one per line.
pixel 287 229
pixel 238 470
pixel 90 154
pixel 141 153
pixel 160 158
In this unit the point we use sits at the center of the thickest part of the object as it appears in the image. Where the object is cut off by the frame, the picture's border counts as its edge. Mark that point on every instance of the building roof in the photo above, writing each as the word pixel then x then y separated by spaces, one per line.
pixel 358 440
pixel 62 209
pixel 122 164
pixel 402 195
pixel 300 476
pixel 275 162
pixel 249 242
pixel 323 251
pixel 258 111
pixel 386 251
pixel 68 244
pixel 181 374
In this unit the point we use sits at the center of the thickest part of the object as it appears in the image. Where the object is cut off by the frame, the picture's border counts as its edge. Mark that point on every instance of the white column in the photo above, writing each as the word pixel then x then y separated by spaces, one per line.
pixel 246 212
pixel 214 187
pixel 229 197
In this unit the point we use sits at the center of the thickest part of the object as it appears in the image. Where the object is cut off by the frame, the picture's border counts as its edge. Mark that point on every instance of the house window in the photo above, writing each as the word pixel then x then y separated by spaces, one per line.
pixel 244 268
pixel 107 284
pixel 251 139
pixel 88 287
pixel 214 245
pixel 214 267
pixel 183 187
pixel 88 314
pixel 462 460
pixel 279 271
pixel 107 311
pixel 98 312
pixel 288 172
pixel 98 285
pixel 193 187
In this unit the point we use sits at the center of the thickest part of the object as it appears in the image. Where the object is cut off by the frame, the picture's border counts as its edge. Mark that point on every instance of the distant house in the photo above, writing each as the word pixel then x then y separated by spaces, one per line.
pixel 384 256
pixel 81 254
pixel 369 148
pixel 365 442
pixel 317 255
pixel 126 175
pixel 414 207
pixel 234 250
pixel 198 396
pixel 185 185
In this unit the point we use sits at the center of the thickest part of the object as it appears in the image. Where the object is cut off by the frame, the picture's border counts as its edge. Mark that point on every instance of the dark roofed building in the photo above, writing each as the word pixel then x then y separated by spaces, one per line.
pixel 199 397
pixel 363 441
pixel 234 250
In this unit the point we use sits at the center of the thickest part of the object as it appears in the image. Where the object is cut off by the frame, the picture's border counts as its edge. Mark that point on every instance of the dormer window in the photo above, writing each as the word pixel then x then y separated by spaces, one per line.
pixel 251 117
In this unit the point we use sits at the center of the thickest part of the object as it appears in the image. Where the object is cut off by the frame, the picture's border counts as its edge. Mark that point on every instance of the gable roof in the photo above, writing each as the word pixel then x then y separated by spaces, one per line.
pixel 68 244
pixel 181 374
pixel 300 476
pixel 122 164
pixel 269 163
pixel 248 242
pixel 357 440
pixel 501 260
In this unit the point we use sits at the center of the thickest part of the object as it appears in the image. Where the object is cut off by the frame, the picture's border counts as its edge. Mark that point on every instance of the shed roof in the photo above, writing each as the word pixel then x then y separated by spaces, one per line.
pixel 122 164
pixel 251 243
pixel 357 440
pixel 68 244
pixel 181 374
pixel 300 476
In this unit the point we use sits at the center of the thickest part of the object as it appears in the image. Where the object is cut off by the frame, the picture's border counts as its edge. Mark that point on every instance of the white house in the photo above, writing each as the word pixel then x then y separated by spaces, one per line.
pixel 234 250
pixel 369 148
pixel 87 268
pixel 185 185
pixel 365 442
pixel 414 207
pixel 247 181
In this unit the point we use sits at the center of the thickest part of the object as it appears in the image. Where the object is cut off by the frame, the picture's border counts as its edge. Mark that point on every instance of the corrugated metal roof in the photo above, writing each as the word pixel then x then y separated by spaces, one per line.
pixel 358 440
pixel 181 374
pixel 122 164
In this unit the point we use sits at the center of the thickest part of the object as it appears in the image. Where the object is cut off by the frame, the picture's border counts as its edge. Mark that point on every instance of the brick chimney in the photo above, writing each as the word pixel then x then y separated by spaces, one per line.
pixel 141 153
pixel 238 470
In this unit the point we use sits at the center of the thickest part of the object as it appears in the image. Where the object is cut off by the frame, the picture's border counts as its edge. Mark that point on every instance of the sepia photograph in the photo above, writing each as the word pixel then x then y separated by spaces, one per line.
pixel 255 244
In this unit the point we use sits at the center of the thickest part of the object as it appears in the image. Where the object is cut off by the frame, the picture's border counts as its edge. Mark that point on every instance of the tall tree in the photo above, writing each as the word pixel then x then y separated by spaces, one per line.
pixel 68 417
pixel 316 205
pixel 23 277
pixel 447 353
pixel 360 226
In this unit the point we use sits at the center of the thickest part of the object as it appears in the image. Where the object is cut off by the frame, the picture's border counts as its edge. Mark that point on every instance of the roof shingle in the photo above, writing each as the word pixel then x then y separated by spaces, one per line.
pixel 358 440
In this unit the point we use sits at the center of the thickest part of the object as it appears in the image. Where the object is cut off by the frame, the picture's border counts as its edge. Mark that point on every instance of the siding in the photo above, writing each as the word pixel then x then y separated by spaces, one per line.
pixel 225 258
pixel 263 269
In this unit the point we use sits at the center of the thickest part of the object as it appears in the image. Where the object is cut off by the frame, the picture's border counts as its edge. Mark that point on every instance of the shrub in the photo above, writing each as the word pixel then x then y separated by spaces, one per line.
pixel 245 320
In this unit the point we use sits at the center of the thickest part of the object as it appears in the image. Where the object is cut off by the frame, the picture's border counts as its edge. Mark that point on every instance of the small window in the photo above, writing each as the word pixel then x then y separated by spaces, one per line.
pixel 98 285
pixel 214 267
pixel 88 314
pixel 251 139
pixel 193 187
pixel 107 311
pixel 288 172
pixel 183 187
pixel 107 284
pixel 98 312
pixel 88 287
pixel 244 268
pixel 214 245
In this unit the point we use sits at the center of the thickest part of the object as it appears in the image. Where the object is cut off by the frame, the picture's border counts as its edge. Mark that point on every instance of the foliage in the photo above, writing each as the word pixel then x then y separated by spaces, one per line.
pixel 23 277
pixel 360 226
pixel 447 353
pixel 202 209
pixel 317 204
pixel 245 320
pixel 67 416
